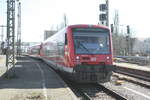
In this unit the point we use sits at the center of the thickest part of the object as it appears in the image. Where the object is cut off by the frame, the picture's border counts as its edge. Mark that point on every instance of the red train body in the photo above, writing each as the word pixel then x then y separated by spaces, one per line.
pixel 34 51
pixel 82 52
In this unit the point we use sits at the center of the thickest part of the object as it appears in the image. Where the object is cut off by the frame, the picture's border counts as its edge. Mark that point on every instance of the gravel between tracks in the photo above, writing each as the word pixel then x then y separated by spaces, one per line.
pixel 129 90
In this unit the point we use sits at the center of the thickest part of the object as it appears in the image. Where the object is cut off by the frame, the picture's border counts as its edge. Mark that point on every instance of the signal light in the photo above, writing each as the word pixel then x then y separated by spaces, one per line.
pixel 128 29
pixel 112 28
pixel 102 7
pixel 77 57
pixel 102 17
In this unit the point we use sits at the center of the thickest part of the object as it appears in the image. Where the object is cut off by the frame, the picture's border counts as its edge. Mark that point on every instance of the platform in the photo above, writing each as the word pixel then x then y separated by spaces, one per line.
pixel 33 80
pixel 133 66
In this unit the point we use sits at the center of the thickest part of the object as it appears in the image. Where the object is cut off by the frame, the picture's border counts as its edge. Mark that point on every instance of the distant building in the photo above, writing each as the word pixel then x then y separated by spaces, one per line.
pixel 147 45
pixel 142 47
pixel 138 47
pixel 48 34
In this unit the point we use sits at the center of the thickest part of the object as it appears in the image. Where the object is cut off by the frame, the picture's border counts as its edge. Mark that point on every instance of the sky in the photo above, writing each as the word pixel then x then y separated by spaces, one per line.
pixel 40 15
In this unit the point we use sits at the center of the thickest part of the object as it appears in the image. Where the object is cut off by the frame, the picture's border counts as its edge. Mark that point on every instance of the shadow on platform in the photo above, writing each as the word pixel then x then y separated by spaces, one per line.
pixel 27 74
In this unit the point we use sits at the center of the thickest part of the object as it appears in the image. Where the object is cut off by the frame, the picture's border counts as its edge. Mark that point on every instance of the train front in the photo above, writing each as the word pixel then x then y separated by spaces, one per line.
pixel 92 53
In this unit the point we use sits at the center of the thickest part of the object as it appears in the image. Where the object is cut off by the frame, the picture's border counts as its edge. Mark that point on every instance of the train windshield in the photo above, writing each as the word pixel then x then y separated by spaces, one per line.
pixel 91 41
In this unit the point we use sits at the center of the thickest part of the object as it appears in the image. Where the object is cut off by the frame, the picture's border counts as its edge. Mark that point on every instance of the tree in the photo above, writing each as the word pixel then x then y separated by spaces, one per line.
pixel 115 36
pixel 63 24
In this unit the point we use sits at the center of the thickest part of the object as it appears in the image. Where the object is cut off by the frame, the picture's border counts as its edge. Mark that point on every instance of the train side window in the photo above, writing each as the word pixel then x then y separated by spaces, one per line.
pixel 66 40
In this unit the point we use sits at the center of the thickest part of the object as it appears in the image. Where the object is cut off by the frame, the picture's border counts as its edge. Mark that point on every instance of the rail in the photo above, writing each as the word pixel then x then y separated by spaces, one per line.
pixel 141 74
pixel 111 92
pixel 133 59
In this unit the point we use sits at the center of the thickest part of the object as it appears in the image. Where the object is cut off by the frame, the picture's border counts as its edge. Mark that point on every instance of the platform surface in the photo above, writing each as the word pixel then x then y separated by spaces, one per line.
pixel 33 80
pixel 133 66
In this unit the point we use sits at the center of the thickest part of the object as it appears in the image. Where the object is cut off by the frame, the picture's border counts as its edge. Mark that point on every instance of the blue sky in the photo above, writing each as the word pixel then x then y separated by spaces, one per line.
pixel 40 15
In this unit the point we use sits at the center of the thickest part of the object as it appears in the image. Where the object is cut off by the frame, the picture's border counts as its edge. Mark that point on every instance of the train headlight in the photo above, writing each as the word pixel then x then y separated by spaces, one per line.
pixel 77 57
pixel 107 57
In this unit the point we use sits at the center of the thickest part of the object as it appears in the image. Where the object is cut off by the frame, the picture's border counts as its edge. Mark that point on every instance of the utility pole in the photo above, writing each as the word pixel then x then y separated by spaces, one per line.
pixel 107 13
pixel 19 30
pixel 10 53
pixel 65 20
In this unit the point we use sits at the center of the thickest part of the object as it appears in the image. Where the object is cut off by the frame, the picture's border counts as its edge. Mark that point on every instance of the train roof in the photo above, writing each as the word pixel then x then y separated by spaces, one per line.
pixel 77 26
pixel 87 25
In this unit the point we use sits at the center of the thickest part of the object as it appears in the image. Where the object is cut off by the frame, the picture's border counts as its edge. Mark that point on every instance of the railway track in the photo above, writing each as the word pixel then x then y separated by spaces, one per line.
pixel 114 94
pixel 95 92
pixel 144 75
pixel 132 80
pixel 135 60
pixel 137 72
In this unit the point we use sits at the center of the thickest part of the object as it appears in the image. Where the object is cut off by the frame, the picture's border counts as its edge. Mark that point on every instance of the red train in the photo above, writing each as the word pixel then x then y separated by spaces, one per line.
pixel 82 52
pixel 34 51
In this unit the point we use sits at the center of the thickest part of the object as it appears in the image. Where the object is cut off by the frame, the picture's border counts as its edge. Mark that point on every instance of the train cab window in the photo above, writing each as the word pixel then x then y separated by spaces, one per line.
pixel 91 41
pixel 66 40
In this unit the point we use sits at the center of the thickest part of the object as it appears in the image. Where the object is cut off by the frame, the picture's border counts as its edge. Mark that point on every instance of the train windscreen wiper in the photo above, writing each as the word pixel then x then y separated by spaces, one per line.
pixel 83 46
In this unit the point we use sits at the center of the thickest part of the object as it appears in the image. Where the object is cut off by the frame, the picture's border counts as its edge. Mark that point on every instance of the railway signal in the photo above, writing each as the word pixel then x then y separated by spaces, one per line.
pixel 102 17
pixel 103 7
pixel 128 29
pixel 104 13
pixel 112 28
pixel 128 40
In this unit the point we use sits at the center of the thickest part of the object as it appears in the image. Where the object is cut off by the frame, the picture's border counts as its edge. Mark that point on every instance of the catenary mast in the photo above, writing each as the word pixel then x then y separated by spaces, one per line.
pixel 10 53
pixel 19 30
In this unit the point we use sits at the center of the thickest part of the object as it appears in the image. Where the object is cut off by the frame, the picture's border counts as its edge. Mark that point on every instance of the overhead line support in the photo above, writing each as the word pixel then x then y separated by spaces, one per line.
pixel 10 41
